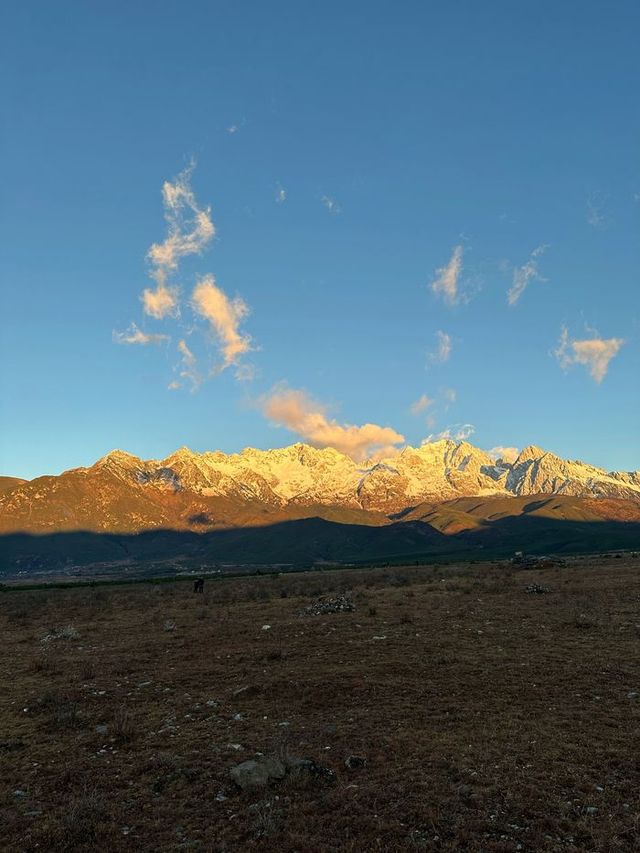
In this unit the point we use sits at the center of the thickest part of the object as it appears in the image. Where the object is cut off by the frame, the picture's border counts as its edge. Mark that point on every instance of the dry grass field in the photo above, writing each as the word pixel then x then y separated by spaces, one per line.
pixel 489 718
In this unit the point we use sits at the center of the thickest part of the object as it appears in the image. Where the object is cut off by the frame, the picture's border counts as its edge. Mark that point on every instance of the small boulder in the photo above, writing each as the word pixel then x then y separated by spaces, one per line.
pixel 257 773
pixel 355 762
pixel 298 766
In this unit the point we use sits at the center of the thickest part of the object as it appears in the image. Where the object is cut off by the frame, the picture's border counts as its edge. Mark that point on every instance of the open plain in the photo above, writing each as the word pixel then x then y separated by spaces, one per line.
pixel 455 710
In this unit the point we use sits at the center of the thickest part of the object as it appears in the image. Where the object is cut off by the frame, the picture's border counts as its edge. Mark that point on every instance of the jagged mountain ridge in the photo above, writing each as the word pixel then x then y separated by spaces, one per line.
pixel 188 490
pixel 438 470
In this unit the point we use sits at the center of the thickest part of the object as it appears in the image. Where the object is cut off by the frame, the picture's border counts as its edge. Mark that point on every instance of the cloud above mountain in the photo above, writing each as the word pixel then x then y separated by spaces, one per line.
pixel 507 454
pixel 456 432
pixel 422 403
pixel 298 412
pixel 593 353
pixel 190 229
pixel 224 315
pixel 445 284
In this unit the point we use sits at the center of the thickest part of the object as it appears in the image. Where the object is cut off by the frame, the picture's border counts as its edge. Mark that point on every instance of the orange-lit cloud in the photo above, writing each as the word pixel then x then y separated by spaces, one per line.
pixel 594 353
pixel 508 454
pixel 299 413
pixel 160 302
pixel 445 283
pixel 225 316
pixel 420 404
pixel 190 229
pixel 188 371
pixel 134 335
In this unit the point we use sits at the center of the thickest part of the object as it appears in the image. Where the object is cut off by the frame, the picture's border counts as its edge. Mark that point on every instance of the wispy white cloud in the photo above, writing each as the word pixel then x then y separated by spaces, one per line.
pixel 225 315
pixel 445 284
pixel 298 412
pixel 189 225
pixel 596 211
pixel 507 454
pixel 456 432
pixel 190 229
pixel 134 335
pixel 281 194
pixel 523 275
pixel 189 370
pixel 188 357
pixel 422 403
pixel 331 204
pixel 450 396
pixel 593 353
pixel 443 348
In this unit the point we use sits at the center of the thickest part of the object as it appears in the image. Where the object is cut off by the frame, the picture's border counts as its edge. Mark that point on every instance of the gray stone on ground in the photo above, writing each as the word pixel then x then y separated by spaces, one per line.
pixel 257 773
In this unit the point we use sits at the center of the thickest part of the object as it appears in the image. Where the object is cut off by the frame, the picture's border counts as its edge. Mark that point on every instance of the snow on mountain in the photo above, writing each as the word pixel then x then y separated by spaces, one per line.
pixel 435 471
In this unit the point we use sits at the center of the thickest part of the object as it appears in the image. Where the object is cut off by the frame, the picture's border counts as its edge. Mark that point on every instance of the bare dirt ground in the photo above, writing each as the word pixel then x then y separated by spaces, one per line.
pixel 489 718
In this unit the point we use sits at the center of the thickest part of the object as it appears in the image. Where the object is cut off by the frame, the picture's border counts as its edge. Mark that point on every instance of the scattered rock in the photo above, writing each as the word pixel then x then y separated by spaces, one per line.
pixel 536 589
pixel 66 633
pixel 323 606
pixel 260 771
pixel 102 729
pixel 266 627
pixel 257 773
pixel 354 762
pixel 315 770
pixel 633 694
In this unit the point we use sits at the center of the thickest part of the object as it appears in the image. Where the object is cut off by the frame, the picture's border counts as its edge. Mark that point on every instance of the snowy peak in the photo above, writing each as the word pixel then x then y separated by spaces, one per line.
pixel 531 452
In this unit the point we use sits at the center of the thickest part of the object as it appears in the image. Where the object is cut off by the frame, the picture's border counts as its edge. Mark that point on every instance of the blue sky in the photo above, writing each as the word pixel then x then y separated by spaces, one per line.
pixel 345 151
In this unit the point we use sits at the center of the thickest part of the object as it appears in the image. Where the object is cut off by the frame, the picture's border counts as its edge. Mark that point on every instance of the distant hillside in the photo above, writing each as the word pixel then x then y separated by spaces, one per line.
pixel 461 528
pixel 9 483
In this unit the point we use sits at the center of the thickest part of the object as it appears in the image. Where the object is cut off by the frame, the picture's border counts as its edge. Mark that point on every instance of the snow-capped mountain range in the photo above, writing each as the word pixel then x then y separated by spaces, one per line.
pixel 300 474
pixel 438 471
pixel 304 503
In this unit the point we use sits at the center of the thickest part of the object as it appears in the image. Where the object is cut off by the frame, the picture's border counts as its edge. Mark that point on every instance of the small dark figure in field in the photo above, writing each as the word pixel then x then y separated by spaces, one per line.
pixel 198 585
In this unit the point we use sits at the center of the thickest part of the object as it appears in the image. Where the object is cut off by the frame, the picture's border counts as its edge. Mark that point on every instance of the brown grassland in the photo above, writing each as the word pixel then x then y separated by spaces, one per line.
pixel 490 719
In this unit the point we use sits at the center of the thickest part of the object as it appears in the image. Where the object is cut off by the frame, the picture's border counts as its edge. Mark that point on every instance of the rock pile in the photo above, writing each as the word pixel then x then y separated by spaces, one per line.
pixel 536 589
pixel 340 604
pixel 259 772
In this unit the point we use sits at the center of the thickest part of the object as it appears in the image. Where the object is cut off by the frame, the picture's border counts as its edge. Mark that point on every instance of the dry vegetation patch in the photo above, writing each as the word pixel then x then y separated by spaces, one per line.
pixel 448 710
